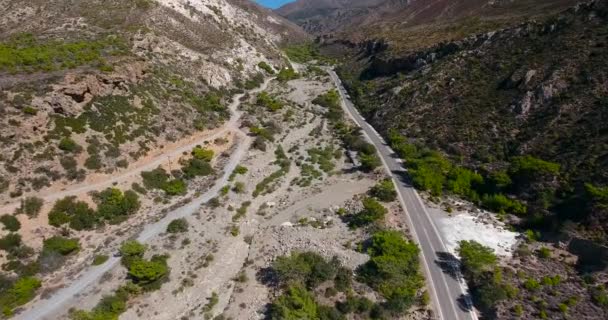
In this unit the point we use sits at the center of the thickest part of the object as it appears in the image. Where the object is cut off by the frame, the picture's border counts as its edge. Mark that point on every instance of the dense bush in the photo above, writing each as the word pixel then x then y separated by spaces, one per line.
pixel 201 153
pixel 195 168
pixel 372 211
pixel 331 101
pixel 76 213
pixel 302 53
pixel 131 250
pixel 476 258
pixel 100 259
pixel 61 245
pixel 480 268
pixel 307 268
pixel 115 206
pixel 177 226
pixel 10 222
pixel 393 269
pixel 25 53
pixel 295 303
pixel 384 191
pixel 10 242
pixel 149 274
pixel 69 145
pixel 501 204
pixel 18 293
pixel 264 66
pixel 30 206
pixel 159 179
pixel 110 306
pixel 464 182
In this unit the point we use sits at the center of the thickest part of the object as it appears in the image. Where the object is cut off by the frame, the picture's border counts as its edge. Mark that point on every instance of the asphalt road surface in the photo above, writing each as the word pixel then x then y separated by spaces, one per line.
pixel 446 288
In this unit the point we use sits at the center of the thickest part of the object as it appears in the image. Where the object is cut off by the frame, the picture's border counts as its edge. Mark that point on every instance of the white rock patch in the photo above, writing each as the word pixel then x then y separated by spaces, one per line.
pixel 464 226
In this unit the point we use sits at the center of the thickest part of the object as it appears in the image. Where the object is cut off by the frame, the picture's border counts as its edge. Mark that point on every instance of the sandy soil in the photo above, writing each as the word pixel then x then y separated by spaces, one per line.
pixel 270 228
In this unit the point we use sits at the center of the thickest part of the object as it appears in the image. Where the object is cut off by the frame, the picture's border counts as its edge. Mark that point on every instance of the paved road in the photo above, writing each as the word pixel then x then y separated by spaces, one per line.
pixel 447 290
pixel 60 300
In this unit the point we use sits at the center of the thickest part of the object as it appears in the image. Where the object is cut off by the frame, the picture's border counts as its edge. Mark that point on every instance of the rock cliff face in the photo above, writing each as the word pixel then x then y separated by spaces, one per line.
pixel 120 78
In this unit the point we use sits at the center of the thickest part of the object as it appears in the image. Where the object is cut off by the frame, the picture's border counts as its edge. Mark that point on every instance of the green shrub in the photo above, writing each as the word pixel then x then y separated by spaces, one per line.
pixel 155 179
pixel 69 145
pixel 302 53
pixel 76 213
pixel 264 66
pixel 267 101
pixel 178 226
pixel 393 269
pixel 100 259
pixel 501 204
pixel 295 303
pixel 30 206
pixel 476 258
pixel 61 245
pixel 286 74
pixel 29 110
pixel 175 187
pixel 202 153
pixel 384 191
pixel 131 250
pixel 463 182
pixel 19 293
pixel 544 252
pixel 196 167
pixel 146 272
pixel 308 268
pixel 25 53
pixel 115 206
pixel 10 222
pixel 10 242
pixel 369 162
pixel 372 211
pixel 531 284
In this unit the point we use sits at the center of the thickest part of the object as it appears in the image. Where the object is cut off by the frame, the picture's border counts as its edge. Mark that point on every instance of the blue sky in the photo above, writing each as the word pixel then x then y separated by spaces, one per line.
pixel 273 3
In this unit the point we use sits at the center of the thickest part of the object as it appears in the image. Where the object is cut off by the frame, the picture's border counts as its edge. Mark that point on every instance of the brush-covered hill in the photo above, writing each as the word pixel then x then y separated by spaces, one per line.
pixel 538 89
pixel 410 24
pixel 91 86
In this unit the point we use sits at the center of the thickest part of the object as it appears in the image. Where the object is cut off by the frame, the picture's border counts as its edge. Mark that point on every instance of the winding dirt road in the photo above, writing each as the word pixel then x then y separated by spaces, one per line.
pixel 55 306
pixel 153 163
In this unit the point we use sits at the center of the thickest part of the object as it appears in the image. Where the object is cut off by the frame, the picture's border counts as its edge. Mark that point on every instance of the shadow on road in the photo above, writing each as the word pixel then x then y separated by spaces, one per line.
pixel 449 264
pixel 464 302
pixel 403 178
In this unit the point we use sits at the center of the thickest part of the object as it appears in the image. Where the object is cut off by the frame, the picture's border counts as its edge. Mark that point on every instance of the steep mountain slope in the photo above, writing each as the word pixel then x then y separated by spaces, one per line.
pixel 92 86
pixel 410 24
pixel 537 89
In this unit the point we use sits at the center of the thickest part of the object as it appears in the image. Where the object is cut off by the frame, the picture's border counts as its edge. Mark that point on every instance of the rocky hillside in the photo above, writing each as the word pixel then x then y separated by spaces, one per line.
pixel 92 86
pixel 537 90
pixel 409 24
